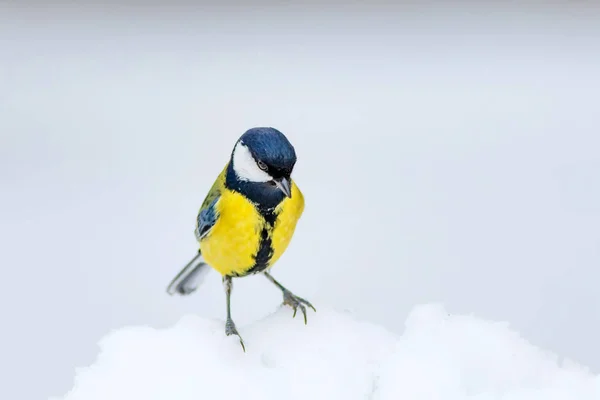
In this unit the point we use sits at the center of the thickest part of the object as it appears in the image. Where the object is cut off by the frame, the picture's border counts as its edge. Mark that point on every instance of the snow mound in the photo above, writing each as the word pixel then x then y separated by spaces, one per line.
pixel 439 357
pixel 461 357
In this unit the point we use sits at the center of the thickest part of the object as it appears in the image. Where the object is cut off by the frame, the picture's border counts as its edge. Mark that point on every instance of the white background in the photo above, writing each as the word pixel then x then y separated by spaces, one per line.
pixel 446 155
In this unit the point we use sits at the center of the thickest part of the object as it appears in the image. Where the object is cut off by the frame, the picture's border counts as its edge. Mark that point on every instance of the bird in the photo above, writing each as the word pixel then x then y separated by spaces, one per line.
pixel 247 219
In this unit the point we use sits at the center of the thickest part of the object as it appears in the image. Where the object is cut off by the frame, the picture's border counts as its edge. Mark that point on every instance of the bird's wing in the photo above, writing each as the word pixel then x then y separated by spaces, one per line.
pixel 207 217
pixel 208 214
pixel 192 275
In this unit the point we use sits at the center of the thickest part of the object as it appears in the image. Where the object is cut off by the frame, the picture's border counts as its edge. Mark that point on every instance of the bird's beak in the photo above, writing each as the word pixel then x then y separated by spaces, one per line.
pixel 284 185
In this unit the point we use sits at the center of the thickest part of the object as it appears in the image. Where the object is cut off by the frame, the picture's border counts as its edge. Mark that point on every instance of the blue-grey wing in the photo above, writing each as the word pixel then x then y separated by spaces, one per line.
pixel 207 217
pixel 208 214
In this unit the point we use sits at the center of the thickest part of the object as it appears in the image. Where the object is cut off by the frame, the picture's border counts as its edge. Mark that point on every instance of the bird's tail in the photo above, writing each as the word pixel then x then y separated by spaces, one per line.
pixel 190 277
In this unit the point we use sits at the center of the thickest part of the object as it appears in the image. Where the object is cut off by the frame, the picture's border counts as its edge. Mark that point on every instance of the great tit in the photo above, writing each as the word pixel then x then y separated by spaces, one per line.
pixel 248 218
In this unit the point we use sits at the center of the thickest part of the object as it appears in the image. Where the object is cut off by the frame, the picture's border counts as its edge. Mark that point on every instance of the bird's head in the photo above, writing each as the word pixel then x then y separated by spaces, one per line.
pixel 264 157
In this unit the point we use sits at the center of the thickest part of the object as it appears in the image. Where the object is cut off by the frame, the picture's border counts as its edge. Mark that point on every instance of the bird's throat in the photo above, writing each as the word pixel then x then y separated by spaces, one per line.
pixel 263 194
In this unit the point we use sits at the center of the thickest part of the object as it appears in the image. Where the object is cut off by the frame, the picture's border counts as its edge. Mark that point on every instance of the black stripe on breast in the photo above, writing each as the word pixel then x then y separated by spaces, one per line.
pixel 265 248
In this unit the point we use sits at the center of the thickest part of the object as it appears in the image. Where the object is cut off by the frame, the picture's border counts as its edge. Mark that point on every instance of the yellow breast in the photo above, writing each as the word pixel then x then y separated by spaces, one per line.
pixel 288 213
pixel 234 241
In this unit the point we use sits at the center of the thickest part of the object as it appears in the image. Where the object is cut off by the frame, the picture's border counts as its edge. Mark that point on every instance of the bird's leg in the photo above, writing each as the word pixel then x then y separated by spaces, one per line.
pixel 230 328
pixel 291 299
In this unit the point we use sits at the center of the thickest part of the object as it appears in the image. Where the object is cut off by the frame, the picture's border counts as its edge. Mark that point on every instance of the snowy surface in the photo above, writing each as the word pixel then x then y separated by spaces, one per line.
pixel 438 357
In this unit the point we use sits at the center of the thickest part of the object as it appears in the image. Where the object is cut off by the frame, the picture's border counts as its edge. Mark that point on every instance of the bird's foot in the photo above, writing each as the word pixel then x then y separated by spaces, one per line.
pixel 230 329
pixel 296 302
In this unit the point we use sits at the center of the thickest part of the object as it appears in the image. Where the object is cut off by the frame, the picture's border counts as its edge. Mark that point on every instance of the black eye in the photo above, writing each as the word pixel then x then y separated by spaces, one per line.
pixel 262 165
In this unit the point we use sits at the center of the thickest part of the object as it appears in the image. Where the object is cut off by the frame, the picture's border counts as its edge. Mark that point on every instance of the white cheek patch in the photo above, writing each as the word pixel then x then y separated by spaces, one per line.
pixel 245 166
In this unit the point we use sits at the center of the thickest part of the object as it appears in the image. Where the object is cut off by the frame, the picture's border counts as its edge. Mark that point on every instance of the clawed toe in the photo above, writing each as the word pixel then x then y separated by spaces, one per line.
pixel 230 329
pixel 296 302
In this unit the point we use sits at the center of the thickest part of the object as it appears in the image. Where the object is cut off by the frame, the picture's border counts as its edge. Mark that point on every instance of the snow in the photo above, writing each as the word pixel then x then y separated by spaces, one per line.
pixel 438 357
pixel 461 357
